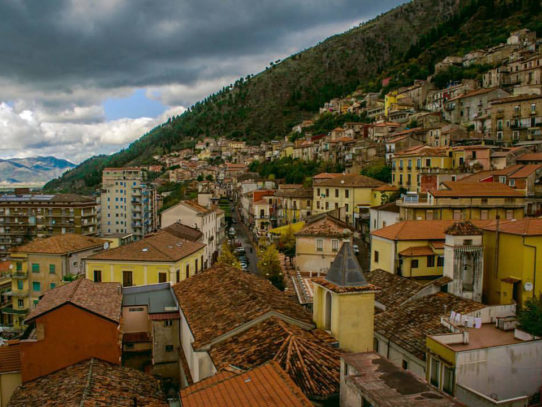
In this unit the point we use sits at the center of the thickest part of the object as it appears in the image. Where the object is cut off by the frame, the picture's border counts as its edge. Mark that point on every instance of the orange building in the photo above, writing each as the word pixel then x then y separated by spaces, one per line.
pixel 72 323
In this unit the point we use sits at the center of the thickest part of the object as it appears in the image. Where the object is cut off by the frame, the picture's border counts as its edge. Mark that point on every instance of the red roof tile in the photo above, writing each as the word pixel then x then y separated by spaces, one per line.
pixel 61 244
pixel 481 189
pixel 420 229
pixel 325 226
pixel 522 227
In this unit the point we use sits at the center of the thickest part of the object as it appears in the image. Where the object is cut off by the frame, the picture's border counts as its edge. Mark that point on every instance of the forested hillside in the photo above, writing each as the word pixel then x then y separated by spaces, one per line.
pixel 402 44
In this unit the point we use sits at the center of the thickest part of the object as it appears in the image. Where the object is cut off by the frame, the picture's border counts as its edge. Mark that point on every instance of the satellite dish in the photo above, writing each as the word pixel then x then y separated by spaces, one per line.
pixel 106 245
pixel 528 286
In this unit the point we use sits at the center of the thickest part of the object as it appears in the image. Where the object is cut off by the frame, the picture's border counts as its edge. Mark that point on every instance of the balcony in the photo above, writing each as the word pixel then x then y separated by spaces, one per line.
pixel 10 310
pixel 19 293
pixel 19 275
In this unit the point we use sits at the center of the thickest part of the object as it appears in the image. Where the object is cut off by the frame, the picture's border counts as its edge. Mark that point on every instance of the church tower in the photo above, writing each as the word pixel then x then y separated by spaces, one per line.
pixel 343 302
pixel 464 260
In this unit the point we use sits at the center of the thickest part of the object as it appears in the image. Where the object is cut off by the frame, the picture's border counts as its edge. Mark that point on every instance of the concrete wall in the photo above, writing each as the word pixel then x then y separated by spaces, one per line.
pixel 506 371
pixel 397 355
pixel 8 383
pixel 135 319
pixel 472 398
pixel 380 219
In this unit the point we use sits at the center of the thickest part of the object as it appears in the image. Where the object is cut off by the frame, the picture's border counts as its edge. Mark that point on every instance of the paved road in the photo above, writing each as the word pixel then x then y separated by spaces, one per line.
pixel 242 236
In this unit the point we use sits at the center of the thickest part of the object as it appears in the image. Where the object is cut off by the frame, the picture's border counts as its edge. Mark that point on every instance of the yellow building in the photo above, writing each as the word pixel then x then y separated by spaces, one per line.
pixel 351 194
pixel 205 154
pixel 44 264
pixel 318 243
pixel 343 303
pixel 411 248
pixel 408 165
pixel 514 274
pixel 294 203
pixel 159 258
pixel 383 194
pixel 464 201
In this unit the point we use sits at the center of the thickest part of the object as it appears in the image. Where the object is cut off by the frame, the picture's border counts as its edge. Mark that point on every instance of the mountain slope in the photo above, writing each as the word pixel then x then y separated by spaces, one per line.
pixel 33 170
pixel 403 43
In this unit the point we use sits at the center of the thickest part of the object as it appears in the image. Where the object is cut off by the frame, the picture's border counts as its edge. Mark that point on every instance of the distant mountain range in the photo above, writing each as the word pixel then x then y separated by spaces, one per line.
pixel 32 170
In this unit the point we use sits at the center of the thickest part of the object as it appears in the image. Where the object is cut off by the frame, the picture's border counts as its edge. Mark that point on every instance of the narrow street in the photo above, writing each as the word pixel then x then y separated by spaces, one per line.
pixel 242 235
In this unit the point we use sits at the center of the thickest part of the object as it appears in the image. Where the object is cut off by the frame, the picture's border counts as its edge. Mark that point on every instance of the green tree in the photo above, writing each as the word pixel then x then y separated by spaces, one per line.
pixel 287 242
pixel 378 171
pixel 209 177
pixel 200 177
pixel 227 258
pixel 530 317
pixel 269 266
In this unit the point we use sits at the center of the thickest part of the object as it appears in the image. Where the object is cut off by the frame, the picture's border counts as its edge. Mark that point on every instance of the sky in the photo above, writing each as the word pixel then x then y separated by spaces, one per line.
pixel 86 77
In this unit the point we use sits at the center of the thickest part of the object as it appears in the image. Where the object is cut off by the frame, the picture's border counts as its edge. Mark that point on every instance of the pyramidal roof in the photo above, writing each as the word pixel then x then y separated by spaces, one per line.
pixel 345 270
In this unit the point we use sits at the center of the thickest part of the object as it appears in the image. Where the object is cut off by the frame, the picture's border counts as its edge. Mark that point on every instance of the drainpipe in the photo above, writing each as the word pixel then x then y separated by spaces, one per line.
pixel 534 264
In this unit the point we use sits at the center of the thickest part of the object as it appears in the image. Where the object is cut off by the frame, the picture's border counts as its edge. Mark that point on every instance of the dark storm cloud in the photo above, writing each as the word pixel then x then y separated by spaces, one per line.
pixel 57 44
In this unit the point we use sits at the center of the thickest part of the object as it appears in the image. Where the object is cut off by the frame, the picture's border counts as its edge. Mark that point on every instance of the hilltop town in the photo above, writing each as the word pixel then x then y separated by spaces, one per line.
pixel 382 253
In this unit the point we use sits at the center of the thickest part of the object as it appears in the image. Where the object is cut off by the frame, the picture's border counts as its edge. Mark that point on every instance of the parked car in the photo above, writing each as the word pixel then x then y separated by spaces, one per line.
pixel 239 250
pixel 356 248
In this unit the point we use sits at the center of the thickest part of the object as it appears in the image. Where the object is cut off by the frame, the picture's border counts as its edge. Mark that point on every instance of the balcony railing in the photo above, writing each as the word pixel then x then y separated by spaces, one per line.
pixel 19 275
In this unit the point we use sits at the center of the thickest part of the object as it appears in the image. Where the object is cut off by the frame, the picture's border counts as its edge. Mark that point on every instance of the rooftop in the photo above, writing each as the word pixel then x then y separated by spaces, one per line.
pixel 465 228
pixel 91 383
pixel 522 227
pixel 409 325
pixel 10 358
pixel 161 246
pixel 103 299
pixel 307 356
pixel 354 181
pixel 530 157
pixel 423 151
pixel 345 270
pixel 157 297
pixel 326 226
pixel 487 336
pixel 393 289
pixel 420 229
pixel 61 244
pixel 384 384
pixel 184 232
pixel 39 198
pixel 222 298
pixel 264 385
pixel 480 189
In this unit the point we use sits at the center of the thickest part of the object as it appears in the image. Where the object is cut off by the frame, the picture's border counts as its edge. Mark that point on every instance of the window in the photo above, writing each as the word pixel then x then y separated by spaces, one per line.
pixel 317 204
pixel 178 275
pixel 440 261
pixel 51 269
pixel 467 242
pixel 19 266
pixel 52 285
pixel 318 192
pixel 319 245
pixel 136 309
pixel 509 214
pixel 430 261
pixel 97 276
pixel 336 193
pixel 347 193
pixel 512 182
pixel 448 380
pixel 162 277
pixel 169 348
pixel 375 256
pixel 414 263
pixel 327 206
pixel 335 245
pixel 20 284
pixel 168 322
pixel 187 270
pixel 35 268
pixel 484 214
pixel 499 135
pixel 20 303
pixel 404 364
pixel 36 286
pixel 127 279
pixel 428 162
pixel 435 370
pixel 327 192
pixel 515 135
pixel 346 207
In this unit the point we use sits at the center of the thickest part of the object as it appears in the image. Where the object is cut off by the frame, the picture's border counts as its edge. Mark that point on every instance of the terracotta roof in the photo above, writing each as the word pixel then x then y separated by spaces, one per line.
pixel 161 246
pixel 184 232
pixel 10 358
pixel 326 175
pixel 475 92
pixel 526 171
pixel 386 187
pixel 325 226
pixel 508 170
pixel 523 227
pixel 389 207
pixel 420 229
pixel 223 298
pixel 530 157
pixel 61 244
pixel 417 251
pixel 103 299
pixel 478 177
pixel 515 99
pixel 355 181
pixel 408 325
pixel 266 385
pixel 393 289
pixel 463 229
pixel 91 383
pixel 195 206
pixel 307 356
pixel 300 192
pixel 423 151
pixel 481 189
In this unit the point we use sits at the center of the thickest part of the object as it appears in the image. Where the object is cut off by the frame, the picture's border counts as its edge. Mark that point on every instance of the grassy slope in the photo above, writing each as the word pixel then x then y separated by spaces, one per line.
pixel 268 104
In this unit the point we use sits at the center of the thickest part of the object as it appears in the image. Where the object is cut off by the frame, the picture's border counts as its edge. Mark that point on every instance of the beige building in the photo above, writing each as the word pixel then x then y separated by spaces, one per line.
pixel 128 203
pixel 25 216
pixel 516 118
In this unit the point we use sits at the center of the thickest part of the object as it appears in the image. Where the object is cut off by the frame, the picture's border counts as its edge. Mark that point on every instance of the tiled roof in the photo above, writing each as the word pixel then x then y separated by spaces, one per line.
pixel 408 325
pixel 393 289
pixel 223 298
pixel 10 358
pixel 195 206
pixel 184 232
pixel 354 181
pixel 481 189
pixel 161 246
pixel 73 198
pixel 61 244
pixel 91 383
pixel 266 385
pixel 420 229
pixel 326 175
pixel 325 226
pixel 513 99
pixel 300 192
pixel 104 299
pixel 307 356
pixel 423 151
pixel 386 187
pixel 389 207
pixel 508 170
pixel 478 177
pixel 526 171
pixel 475 92
pixel 530 157
pixel 416 251
pixel 523 227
